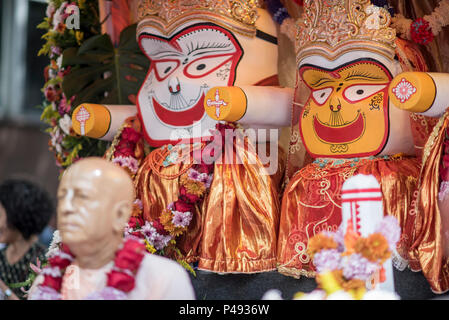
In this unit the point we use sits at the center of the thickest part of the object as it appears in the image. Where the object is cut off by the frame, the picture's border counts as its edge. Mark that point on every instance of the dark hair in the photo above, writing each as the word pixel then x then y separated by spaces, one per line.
pixel 28 206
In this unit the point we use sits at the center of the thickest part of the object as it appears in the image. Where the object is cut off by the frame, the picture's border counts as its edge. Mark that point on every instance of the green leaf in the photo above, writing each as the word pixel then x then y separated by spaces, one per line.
pixel 101 73
pixel 49 113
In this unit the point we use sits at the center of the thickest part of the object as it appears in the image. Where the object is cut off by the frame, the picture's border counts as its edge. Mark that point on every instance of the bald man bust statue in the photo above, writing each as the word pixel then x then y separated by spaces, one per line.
pixel 95 261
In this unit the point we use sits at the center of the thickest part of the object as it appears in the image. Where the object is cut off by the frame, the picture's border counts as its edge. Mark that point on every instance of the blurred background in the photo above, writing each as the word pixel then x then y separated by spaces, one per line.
pixel 23 143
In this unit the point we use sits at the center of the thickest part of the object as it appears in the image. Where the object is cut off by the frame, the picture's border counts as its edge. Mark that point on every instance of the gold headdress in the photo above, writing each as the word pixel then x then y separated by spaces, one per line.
pixel 333 27
pixel 166 15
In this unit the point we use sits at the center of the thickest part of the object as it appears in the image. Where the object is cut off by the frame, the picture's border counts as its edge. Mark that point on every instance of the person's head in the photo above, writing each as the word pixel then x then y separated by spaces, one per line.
pixel 94 203
pixel 25 210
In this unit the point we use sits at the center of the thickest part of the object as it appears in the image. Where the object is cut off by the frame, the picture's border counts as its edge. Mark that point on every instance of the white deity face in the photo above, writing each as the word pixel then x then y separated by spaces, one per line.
pixel 182 69
pixel 187 58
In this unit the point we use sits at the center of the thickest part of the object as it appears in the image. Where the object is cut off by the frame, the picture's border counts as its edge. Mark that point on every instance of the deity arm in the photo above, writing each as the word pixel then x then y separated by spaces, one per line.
pixel 425 93
pixel 252 106
pixel 100 121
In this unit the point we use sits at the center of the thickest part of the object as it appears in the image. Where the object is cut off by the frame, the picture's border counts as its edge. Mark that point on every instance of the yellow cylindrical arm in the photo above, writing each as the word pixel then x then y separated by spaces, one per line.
pixel 255 106
pixel 100 121
pixel 421 92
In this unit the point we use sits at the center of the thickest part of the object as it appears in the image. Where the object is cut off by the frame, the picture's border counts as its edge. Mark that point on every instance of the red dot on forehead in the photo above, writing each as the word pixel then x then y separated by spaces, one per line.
pixel 335 75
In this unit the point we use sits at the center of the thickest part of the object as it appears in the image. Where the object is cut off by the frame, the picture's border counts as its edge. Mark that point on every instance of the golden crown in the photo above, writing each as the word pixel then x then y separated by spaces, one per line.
pixel 170 13
pixel 333 27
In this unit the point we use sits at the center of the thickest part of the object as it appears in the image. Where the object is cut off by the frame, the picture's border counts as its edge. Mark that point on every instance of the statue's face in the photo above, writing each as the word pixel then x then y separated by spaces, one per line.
pixel 84 207
pixel 184 65
pixel 347 111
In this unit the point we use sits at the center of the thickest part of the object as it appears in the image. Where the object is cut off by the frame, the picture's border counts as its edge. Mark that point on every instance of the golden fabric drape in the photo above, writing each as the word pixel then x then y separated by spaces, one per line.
pixel 235 230
pixel 427 252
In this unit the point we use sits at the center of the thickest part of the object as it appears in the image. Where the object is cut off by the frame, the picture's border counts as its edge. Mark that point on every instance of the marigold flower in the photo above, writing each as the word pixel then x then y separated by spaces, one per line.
pixel 166 220
pixel 193 187
pixel 321 242
pixel 375 248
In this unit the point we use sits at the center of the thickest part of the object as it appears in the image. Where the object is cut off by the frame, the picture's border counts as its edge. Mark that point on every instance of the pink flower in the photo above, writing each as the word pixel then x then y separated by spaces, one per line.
pixel 181 219
pixel 52 93
pixel 50 10
pixel 65 105
pixel 390 229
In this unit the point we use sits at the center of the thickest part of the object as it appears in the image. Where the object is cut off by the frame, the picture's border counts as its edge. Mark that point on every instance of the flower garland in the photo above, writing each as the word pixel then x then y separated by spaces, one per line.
pixel 127 148
pixel 423 30
pixel 120 280
pixel 161 233
pixel 57 108
pixel 346 261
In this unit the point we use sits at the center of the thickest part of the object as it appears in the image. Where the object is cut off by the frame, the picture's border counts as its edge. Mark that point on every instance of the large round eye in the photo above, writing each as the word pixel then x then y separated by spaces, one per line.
pixel 359 92
pixel 164 68
pixel 321 96
pixel 205 65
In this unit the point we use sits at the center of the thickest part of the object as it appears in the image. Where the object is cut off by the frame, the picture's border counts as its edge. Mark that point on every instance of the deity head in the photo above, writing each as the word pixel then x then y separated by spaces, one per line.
pixel 346 60
pixel 94 203
pixel 193 46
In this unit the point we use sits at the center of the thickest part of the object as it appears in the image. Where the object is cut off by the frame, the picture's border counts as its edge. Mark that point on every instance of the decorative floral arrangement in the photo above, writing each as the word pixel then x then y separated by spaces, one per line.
pixel 120 280
pixel 160 234
pixel 347 261
pixel 127 148
pixel 423 30
pixel 57 107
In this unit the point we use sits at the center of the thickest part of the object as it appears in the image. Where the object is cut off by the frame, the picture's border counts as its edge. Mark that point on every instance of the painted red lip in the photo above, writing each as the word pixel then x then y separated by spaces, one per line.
pixel 183 118
pixel 342 134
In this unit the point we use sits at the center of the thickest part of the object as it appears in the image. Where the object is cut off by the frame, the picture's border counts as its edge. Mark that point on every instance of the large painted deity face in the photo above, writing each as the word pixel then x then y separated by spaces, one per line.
pixel 184 65
pixel 348 112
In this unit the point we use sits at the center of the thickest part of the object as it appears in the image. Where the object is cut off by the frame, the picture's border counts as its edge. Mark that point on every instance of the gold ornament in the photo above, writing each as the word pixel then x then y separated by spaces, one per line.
pixel 333 27
pixel 166 15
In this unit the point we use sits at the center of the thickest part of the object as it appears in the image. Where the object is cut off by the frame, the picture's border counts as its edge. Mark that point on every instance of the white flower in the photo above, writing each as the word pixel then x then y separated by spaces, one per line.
pixel 65 123
pixel 71 9
pixel 56 139
pixel 54 272
pixel 272 294
pixel 181 219
pixel 59 15
pixel 129 162
pixel 50 10
pixel 59 61
pixel 54 245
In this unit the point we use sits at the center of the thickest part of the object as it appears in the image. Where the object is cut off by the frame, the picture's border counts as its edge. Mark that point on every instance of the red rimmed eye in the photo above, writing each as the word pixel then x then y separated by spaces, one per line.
pixel 322 95
pixel 205 65
pixel 163 68
pixel 358 92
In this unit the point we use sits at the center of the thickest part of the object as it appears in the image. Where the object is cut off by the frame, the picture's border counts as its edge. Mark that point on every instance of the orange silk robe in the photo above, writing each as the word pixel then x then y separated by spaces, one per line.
pixel 410 186
pixel 235 229
pixel 312 203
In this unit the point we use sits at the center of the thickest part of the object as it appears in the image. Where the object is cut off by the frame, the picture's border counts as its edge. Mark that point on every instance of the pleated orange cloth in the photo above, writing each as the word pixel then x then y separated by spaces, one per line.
pixel 427 252
pixel 312 203
pixel 235 230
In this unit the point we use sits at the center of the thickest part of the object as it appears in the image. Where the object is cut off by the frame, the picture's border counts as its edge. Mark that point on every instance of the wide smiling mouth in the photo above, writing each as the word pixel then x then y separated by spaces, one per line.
pixel 180 118
pixel 178 102
pixel 340 133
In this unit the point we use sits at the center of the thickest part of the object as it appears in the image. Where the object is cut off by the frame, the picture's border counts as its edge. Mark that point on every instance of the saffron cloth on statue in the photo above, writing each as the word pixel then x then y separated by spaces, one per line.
pixel 366 111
